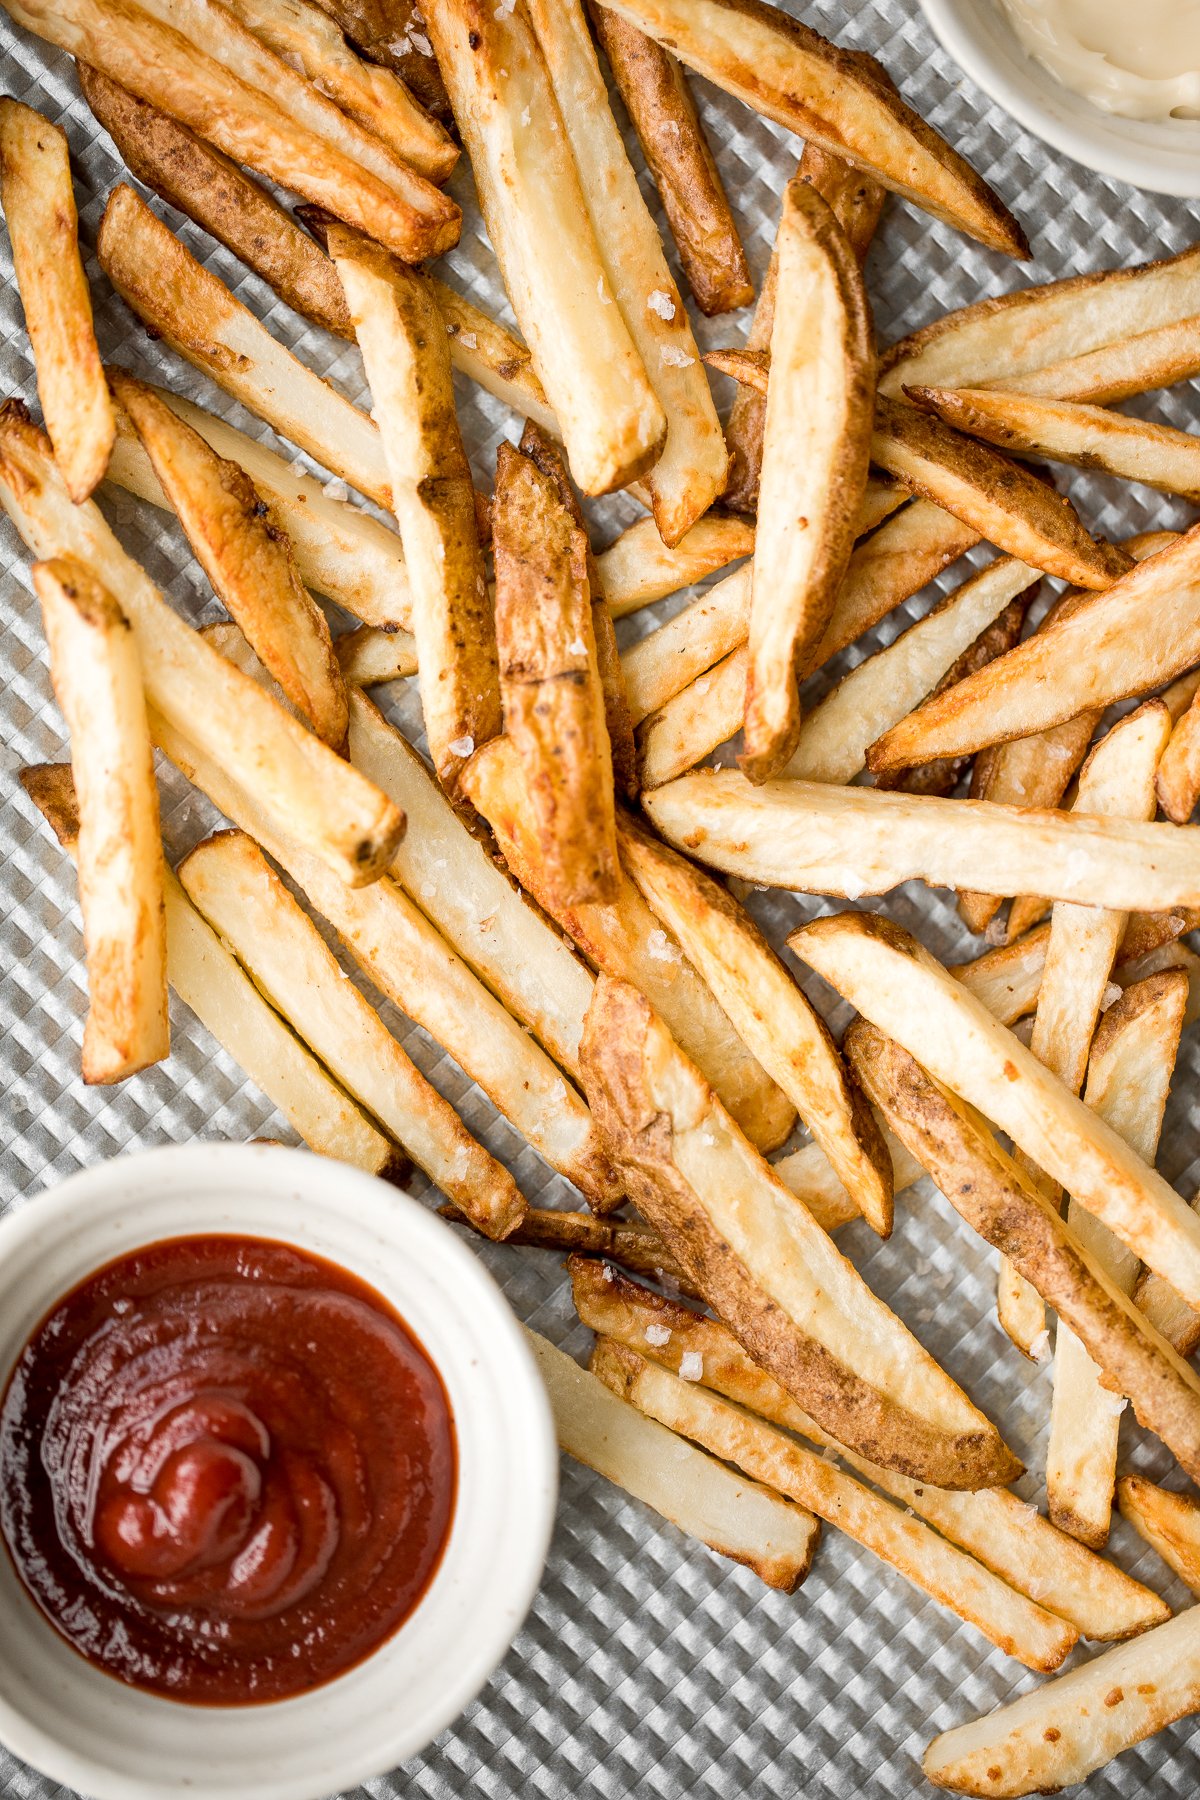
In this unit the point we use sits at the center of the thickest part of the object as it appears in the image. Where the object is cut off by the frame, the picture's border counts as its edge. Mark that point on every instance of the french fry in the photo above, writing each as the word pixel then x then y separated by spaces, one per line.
pixel 193 310
pixel 407 363
pixel 207 978
pixel 493 357
pixel 705 1499
pixel 204 69
pixel 770 1014
pixel 38 201
pixel 704 714
pixel 659 102
pixel 1087 437
pixel 1009 978
pixel 1169 1522
pixel 246 557
pixel 1099 654
pixel 764 57
pixel 1178 780
pixel 763 1263
pixel 98 683
pixel 816 442
pixel 630 1242
pixel 690 471
pixel 833 740
pixel 369 657
pixel 384 31
pixel 667 660
pixel 1178 1322
pixel 1059 1733
pixel 1008 1537
pixel 809 1175
pixel 304 788
pixel 229 880
pixel 1016 1624
pixel 550 683
pixel 1116 371
pixel 624 938
pixel 903 991
pixel 638 568
pixel 529 189
pixel 1129 1076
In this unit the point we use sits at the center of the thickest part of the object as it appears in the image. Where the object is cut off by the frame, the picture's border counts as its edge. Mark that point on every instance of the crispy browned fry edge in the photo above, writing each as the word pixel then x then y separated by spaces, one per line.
pixel 749 368
pixel 385 32
pixel 992 1193
pixel 654 87
pixel 630 1242
pixel 1169 1522
pixel 247 558
pixel 43 228
pixel 550 681
pixel 620 1035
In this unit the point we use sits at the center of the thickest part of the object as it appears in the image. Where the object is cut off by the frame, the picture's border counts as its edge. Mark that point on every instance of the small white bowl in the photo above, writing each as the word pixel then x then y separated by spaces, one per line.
pixel 1163 156
pixel 91 1732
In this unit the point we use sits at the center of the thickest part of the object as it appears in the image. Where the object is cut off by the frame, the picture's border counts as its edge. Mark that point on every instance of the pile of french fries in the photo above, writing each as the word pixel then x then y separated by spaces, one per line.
pixel 532 895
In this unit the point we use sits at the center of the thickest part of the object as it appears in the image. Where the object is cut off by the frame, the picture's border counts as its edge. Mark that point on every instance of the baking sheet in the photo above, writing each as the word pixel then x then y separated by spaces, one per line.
pixel 647 1664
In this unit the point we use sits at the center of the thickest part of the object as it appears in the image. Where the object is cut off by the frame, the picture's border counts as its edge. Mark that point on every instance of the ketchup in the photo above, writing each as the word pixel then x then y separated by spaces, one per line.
pixel 227 1469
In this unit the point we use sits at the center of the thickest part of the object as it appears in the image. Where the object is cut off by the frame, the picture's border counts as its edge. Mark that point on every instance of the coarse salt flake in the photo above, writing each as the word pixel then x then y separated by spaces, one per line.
pixel 505 9
pixel 577 647
pixel 661 303
pixel 674 357
pixel 468 339
pixel 658 1335
pixel 420 42
pixel 605 299
pixel 526 115
pixel 691 1365
pixel 659 946
pixel 610 1273
pixel 1112 994
pixel 336 489
pixel 462 746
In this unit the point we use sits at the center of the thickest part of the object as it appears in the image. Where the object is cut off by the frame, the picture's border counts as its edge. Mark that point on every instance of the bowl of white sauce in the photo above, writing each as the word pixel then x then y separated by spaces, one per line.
pixel 1113 83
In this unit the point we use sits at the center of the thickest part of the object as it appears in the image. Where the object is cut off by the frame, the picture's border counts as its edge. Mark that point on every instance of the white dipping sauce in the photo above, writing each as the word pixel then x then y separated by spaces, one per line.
pixel 1139 58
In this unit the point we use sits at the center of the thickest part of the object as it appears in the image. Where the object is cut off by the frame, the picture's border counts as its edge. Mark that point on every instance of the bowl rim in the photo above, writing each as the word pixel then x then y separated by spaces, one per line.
pixel 1089 139
pixel 315 1187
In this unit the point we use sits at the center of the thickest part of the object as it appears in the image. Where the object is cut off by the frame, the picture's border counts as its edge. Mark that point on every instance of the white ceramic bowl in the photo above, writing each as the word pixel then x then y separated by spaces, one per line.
pixel 1162 156
pixel 93 1733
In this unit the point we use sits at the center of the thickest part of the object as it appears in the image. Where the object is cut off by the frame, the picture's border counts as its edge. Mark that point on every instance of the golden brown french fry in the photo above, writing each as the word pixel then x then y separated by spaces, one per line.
pixel 1139 634
pixel 630 1242
pixel 212 75
pixel 764 57
pixel 38 201
pixel 194 312
pixel 304 788
pixel 906 993
pixel 1169 1522
pixel 229 880
pixel 533 204
pixel 701 1495
pixel 390 33
pixel 1129 1076
pixel 770 1014
pixel 637 568
pixel 1058 1734
pixel 407 363
pixel 97 680
pixel 1178 779
pixel 659 102
pixel 246 557
pixel 816 445
pixel 1008 1537
pixel 763 1263
pixel 224 999
pixel 1116 371
pixel 368 656
pixel 493 357
pixel 1088 437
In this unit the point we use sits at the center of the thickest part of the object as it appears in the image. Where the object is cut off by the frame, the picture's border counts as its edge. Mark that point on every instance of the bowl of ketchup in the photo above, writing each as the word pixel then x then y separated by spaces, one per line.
pixel 277 1476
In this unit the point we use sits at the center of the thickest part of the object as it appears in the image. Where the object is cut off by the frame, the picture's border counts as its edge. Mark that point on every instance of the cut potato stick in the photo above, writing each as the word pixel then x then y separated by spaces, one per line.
pixel 816 441
pixel 1129 1077
pixel 832 97
pixel 902 990
pixel 689 474
pixel 204 69
pixel 1059 1733
pixel 304 788
pixel 770 1014
pixel 666 661
pixel 493 357
pixel 1170 1524
pixel 1087 437
pixel 706 713
pixel 246 557
pixel 529 189
pixel 1140 634
pixel 224 999
pixel 701 1495
pixel 809 1175
pixel 659 102
pixel 833 740
pixel 1016 1624
pixel 1116 371
pixel 1008 1537
pixel 407 364
pixel 230 881
pixel 38 201
pixel 1006 504
pixel 369 657
pixel 193 310
pixel 1178 1322
pixel 1178 779
pixel 993 1194
pixel 97 680
pixel 383 31
pixel 760 1260
pixel 1008 979
pixel 638 568
pixel 623 938
pixel 630 1242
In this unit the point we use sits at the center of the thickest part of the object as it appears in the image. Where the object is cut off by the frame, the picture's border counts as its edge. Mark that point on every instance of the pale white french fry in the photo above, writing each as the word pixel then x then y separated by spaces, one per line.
pixel 1118 370
pixel 369 657
pixel 637 568
pixel 1178 779
pixel 1169 1522
pixel 702 715
pixel 809 1175
pixel 1178 1322
pixel 38 200
pixel 493 357
pixel 667 660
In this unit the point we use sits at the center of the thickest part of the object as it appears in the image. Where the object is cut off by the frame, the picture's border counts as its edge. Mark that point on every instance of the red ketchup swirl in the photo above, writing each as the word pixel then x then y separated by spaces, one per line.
pixel 227 1470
